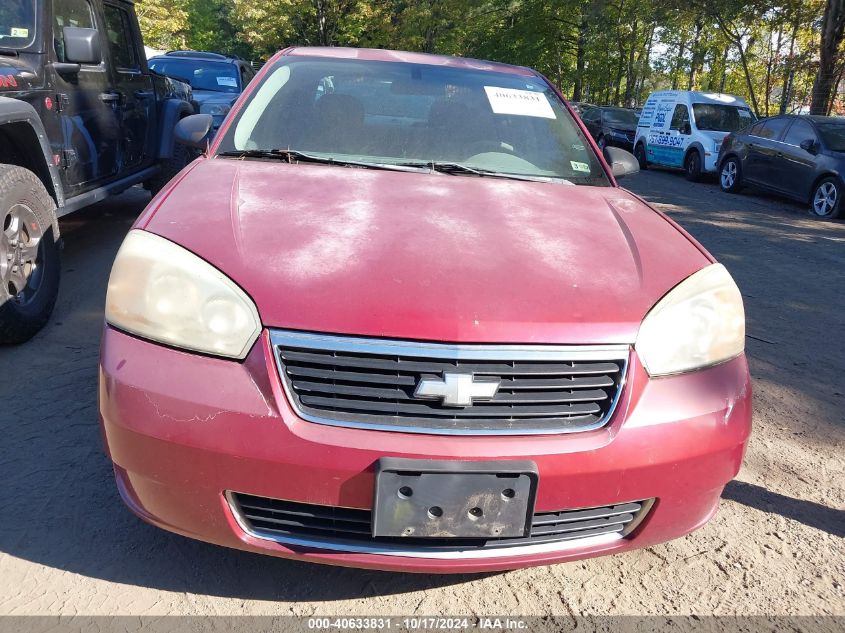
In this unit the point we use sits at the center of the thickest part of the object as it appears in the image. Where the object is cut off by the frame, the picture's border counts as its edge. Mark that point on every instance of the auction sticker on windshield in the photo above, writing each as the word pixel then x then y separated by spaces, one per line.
pixel 519 102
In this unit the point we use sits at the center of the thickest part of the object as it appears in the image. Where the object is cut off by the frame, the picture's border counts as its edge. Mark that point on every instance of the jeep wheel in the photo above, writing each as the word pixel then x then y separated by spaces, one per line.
pixel 29 255
pixel 182 155
pixel 692 166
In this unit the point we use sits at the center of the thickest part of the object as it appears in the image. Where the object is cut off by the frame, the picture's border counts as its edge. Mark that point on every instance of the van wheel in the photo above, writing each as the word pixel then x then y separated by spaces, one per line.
pixel 827 199
pixel 692 166
pixel 730 175
pixel 639 154
pixel 29 255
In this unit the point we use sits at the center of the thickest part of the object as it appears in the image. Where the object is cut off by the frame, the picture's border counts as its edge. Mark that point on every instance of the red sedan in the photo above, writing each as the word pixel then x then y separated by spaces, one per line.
pixel 401 316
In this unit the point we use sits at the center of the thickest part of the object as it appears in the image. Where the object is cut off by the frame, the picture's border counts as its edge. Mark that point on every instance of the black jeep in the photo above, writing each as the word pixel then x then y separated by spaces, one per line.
pixel 81 118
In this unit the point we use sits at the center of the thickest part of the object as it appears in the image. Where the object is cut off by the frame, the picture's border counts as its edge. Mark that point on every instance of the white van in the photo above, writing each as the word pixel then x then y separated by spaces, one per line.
pixel 682 128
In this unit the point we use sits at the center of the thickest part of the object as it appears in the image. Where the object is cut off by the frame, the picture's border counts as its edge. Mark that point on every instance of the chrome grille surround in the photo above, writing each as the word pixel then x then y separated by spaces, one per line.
pixel 441 548
pixel 416 353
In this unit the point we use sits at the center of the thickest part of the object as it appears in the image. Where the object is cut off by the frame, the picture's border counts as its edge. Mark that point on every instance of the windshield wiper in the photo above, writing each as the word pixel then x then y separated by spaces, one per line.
pixel 456 169
pixel 9 51
pixel 295 156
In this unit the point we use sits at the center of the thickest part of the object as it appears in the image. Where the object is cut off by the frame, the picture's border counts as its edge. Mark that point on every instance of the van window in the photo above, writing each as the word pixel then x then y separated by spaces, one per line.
pixel 679 117
pixel 721 118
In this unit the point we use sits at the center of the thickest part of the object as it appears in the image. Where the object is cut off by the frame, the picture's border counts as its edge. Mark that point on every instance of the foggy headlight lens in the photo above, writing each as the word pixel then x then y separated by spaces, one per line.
pixel 701 322
pixel 162 292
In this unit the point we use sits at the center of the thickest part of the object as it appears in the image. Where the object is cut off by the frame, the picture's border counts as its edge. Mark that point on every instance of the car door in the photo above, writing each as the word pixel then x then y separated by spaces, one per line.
pixel 796 167
pixel 133 88
pixel 763 148
pixel 88 113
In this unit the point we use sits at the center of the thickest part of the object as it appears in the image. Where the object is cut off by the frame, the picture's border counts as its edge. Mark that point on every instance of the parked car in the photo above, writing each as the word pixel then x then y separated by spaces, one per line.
pixel 406 319
pixel 685 129
pixel 611 126
pixel 81 118
pixel 216 80
pixel 580 106
pixel 801 157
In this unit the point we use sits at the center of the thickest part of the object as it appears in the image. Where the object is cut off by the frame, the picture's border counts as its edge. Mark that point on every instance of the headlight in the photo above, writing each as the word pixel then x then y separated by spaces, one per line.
pixel 701 322
pixel 162 292
pixel 215 109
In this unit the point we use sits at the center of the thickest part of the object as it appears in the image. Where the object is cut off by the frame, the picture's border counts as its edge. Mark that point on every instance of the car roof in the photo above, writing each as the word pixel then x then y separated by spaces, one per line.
pixel 382 55
pixel 701 97
pixel 198 56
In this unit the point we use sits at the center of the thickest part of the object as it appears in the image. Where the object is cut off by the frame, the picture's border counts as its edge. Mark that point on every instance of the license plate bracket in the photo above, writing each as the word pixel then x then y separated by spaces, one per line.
pixel 453 499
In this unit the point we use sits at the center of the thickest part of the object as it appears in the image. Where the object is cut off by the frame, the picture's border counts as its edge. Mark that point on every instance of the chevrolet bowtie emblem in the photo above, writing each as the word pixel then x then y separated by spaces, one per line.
pixel 457 390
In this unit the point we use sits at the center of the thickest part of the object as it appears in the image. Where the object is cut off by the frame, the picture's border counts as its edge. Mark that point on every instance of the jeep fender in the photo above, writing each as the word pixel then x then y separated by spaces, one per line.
pixel 171 111
pixel 14 111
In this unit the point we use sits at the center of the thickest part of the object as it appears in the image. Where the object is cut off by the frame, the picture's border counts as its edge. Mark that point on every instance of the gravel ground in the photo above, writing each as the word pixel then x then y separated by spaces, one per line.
pixel 67 545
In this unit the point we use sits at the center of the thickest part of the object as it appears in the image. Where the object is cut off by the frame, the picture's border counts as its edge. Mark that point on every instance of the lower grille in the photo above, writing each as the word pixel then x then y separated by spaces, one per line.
pixel 335 527
pixel 374 383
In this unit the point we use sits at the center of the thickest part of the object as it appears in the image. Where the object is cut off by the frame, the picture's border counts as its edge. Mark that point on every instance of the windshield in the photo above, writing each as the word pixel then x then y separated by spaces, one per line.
pixel 620 116
pixel 392 113
pixel 721 118
pixel 833 135
pixel 202 75
pixel 17 23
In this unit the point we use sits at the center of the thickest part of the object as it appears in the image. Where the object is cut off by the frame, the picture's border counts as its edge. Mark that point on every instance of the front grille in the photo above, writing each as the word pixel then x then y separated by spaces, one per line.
pixel 371 383
pixel 330 525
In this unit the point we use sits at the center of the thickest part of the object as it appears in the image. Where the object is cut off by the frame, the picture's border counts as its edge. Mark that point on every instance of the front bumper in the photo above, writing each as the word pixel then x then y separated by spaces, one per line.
pixel 184 429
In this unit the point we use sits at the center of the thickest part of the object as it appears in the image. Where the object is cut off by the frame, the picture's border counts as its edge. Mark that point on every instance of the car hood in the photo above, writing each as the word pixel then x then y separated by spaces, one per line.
pixel 428 256
pixel 210 96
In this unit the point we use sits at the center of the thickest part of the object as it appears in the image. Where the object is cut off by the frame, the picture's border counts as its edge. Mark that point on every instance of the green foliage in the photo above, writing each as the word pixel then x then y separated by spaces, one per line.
pixel 605 51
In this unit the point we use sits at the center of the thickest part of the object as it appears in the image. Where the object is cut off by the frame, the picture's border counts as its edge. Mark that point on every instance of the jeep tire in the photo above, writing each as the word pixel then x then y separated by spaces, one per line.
pixel 181 156
pixel 29 255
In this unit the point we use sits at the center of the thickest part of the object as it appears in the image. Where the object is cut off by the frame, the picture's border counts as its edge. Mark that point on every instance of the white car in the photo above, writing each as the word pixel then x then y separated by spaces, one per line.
pixel 685 129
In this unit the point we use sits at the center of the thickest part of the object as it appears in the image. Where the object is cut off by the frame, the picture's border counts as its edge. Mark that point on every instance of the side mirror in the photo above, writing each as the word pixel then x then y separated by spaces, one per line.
pixel 686 130
pixel 622 163
pixel 809 146
pixel 193 130
pixel 82 46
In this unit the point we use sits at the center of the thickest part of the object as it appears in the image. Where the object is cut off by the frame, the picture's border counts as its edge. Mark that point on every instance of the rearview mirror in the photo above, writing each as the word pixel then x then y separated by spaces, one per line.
pixel 809 145
pixel 193 130
pixel 622 163
pixel 82 46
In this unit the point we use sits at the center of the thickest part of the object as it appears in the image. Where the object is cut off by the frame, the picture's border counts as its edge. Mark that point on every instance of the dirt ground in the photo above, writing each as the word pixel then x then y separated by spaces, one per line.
pixel 777 546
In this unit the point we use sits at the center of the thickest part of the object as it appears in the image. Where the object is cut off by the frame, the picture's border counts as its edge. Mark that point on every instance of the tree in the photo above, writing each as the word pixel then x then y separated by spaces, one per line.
pixel 830 56
pixel 164 23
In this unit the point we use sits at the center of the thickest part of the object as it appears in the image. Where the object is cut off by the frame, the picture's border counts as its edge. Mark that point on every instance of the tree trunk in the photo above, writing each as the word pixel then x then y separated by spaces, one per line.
pixel 631 71
pixel 831 38
pixel 696 55
pixel 789 70
pixel 676 67
pixel 748 84
pixel 724 79
pixel 580 57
